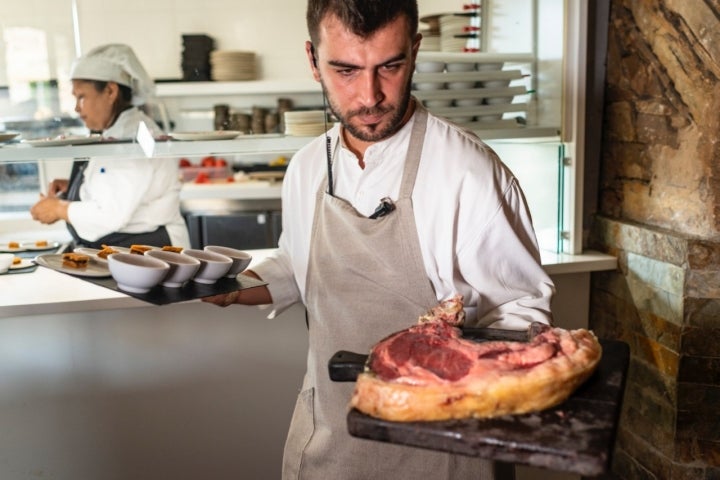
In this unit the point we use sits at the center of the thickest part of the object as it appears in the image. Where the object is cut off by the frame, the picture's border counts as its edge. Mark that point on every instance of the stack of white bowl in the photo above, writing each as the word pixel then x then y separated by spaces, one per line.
pixel 306 123
pixel 232 65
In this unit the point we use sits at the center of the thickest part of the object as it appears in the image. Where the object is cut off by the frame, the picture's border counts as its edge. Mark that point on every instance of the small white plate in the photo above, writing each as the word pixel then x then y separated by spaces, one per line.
pixel 214 135
pixel 59 142
pixel 24 263
pixel 7 136
pixel 54 261
pixel 32 246
pixel 5 248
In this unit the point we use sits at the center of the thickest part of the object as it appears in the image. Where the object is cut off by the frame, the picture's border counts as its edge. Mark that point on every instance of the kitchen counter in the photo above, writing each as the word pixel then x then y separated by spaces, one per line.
pixel 45 291
pixel 102 385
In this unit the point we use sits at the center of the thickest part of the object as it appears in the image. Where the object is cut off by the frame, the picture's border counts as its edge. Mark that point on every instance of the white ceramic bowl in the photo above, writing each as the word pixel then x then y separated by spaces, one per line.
pixel 240 259
pixel 429 86
pixel 460 67
pixel 490 118
pixel 182 267
pixel 213 266
pixel 136 273
pixel 495 83
pixel 498 100
pixel 6 260
pixel 437 103
pixel 429 67
pixel 487 67
pixel 468 102
pixel 460 85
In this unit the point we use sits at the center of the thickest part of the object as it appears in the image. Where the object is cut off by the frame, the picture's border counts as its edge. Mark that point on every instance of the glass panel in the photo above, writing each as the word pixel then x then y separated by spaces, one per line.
pixel 19 186
pixel 538 167
pixel 35 51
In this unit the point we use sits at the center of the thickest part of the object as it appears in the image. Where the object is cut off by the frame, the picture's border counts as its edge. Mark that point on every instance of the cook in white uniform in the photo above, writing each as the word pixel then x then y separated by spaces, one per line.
pixel 456 222
pixel 116 201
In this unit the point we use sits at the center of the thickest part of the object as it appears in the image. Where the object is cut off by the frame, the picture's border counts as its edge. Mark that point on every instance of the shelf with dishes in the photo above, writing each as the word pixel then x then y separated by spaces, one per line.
pixel 249 144
pixel 476 99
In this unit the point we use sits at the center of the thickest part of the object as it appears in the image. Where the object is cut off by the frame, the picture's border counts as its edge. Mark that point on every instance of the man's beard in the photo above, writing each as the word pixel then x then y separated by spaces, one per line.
pixel 374 135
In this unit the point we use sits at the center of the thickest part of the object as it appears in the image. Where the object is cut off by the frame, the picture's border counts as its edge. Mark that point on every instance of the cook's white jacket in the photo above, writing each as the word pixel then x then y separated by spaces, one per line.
pixel 129 195
pixel 475 229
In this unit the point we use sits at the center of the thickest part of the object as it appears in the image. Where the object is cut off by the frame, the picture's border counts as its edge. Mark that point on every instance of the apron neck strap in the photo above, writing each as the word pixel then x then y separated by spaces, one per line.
pixel 412 159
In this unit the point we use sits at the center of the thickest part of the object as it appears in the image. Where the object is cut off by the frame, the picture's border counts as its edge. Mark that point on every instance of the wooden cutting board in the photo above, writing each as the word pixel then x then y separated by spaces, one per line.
pixel 577 436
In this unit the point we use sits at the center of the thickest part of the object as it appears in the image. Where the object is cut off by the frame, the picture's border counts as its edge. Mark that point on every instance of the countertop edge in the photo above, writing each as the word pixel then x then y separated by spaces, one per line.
pixel 553 263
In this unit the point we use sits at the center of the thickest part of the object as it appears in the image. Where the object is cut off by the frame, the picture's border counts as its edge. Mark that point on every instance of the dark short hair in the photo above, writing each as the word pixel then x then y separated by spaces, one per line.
pixel 361 17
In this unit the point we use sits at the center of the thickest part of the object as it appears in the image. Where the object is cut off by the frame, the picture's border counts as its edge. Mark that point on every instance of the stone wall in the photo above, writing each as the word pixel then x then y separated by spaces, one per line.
pixel 659 195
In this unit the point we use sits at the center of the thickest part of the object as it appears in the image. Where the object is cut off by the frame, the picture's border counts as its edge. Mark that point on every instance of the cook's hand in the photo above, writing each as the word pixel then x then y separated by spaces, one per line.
pixel 223 300
pixel 49 210
pixel 59 185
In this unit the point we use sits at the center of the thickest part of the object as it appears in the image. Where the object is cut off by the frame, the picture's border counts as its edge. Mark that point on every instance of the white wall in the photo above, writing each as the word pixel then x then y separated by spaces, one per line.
pixel 274 29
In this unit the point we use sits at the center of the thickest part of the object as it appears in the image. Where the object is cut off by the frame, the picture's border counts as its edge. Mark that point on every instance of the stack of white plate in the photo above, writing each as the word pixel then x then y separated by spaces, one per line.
pixel 232 65
pixel 452 25
pixel 306 123
pixel 430 41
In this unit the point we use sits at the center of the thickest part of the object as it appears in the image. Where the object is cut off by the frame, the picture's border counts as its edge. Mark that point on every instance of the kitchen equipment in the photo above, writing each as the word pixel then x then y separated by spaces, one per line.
pixel 195 61
pixel 576 436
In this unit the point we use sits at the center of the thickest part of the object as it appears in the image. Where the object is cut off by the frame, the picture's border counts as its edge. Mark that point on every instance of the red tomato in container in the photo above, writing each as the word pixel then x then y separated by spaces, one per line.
pixel 202 177
pixel 221 162
pixel 208 161
pixel 184 163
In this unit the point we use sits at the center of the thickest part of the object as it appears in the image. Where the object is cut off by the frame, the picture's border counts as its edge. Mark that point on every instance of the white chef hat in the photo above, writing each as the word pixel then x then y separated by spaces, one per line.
pixel 115 63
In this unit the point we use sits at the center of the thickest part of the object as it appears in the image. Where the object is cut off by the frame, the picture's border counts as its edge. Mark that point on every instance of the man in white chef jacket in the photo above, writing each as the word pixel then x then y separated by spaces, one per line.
pixel 403 210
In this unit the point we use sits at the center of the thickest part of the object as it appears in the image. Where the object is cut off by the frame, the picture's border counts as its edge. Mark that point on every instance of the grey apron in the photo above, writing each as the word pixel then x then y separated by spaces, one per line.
pixel 366 279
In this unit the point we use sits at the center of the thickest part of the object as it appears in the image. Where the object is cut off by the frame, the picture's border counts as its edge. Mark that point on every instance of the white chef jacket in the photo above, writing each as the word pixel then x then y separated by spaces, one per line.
pixel 129 195
pixel 473 223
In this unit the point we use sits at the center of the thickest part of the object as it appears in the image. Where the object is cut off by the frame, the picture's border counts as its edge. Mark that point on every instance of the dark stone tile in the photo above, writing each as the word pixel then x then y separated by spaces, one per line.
pixel 636 458
pixel 712 473
pixel 627 468
pixel 701 342
pixel 648 384
pixel 698 452
pixel 698 425
pixel 702 312
pixel 663 359
pixel 702 283
pixel 703 254
pixel 652 242
pixel 700 370
pixel 686 472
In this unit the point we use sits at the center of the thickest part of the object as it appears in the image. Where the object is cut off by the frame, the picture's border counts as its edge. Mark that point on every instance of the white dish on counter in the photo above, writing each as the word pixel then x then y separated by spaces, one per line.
pixel 63 141
pixel 24 263
pixel 54 261
pixel 7 136
pixel 212 135
pixel 34 247
pixel 28 246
